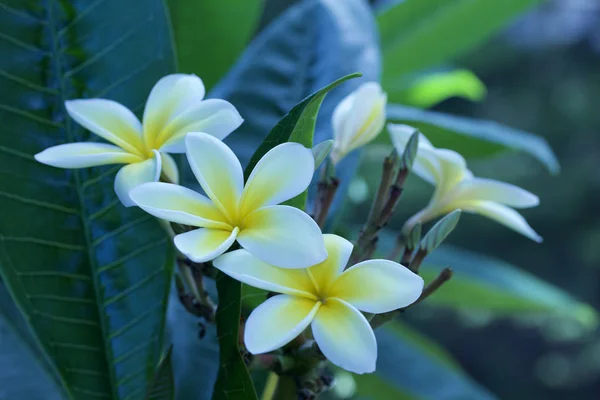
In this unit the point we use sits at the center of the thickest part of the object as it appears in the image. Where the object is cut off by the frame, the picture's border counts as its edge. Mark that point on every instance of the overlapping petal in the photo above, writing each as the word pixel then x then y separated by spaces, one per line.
pixel 377 286
pixel 205 244
pixel 283 236
pixel 133 175
pixel 109 120
pixel 278 321
pixel 178 204
pixel 217 169
pixel 282 173
pixel 338 254
pixel 504 215
pixel 83 155
pixel 491 190
pixel 169 168
pixel 345 336
pixel 246 268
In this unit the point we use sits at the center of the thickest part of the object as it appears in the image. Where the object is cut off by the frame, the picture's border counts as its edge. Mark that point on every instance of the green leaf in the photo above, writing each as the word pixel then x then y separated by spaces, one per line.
pixel 440 231
pixel 90 276
pixel 211 35
pixel 321 151
pixel 484 283
pixel 471 137
pixel 429 89
pixel 417 34
pixel 162 386
pixel 233 379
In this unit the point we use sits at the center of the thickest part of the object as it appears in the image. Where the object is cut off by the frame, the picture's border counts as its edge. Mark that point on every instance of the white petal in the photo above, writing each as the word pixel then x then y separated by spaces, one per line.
pixel 205 244
pixel 377 286
pixel 170 96
pixel 368 114
pixel 345 337
pixel 244 267
pixel 277 321
pixel 217 169
pixel 282 173
pixel 283 236
pixel 338 254
pixel 400 135
pixel 169 168
pixel 83 155
pixel 453 166
pixel 340 119
pixel 109 120
pixel 133 175
pixel 491 190
pixel 178 204
pixel 504 215
pixel 216 117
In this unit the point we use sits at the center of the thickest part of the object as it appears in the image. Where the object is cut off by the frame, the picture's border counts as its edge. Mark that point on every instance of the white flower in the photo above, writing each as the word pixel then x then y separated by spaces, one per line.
pixel 325 297
pixel 175 107
pixel 457 188
pixel 358 119
pixel 281 235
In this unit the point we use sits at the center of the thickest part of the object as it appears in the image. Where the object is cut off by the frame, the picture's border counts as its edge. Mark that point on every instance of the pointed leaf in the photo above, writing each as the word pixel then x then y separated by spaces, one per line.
pixel 162 386
pixel 440 231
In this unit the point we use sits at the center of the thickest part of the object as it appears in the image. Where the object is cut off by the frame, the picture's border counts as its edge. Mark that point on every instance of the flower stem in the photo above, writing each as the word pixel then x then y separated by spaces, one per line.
pixel 270 386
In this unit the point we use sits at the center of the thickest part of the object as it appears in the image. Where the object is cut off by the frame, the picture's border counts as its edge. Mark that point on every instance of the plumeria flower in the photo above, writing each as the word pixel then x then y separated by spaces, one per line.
pixel 325 297
pixel 457 188
pixel 175 107
pixel 281 235
pixel 358 119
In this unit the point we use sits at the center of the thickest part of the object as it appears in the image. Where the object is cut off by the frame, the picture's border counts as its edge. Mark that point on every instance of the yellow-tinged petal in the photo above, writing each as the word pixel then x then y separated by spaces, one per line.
pixel 83 155
pixel 504 215
pixel 217 169
pixel 244 267
pixel 178 204
pixel 169 168
pixel 170 96
pixel 133 175
pixel 377 286
pixel 283 236
pixel 338 254
pixel 205 244
pixel 491 190
pixel 109 120
pixel 277 321
pixel 282 173
pixel 345 336
pixel 214 116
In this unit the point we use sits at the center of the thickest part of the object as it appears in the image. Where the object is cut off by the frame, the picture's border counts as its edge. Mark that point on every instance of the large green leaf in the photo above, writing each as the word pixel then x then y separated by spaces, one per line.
pixel 233 381
pixel 163 385
pixel 417 34
pixel 471 137
pixel 211 35
pixel 90 276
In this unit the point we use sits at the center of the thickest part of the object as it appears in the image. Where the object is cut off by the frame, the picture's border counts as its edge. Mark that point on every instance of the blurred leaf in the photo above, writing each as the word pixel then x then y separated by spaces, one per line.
pixel 373 387
pixel 440 231
pixel 162 386
pixel 471 137
pixel 485 283
pixel 90 276
pixel 211 35
pixel 429 89
pixel 321 151
pixel 409 361
pixel 417 34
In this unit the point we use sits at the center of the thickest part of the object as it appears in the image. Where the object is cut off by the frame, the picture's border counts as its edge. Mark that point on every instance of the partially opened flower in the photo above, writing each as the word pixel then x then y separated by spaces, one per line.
pixel 175 107
pixel 358 119
pixel 281 235
pixel 325 297
pixel 457 188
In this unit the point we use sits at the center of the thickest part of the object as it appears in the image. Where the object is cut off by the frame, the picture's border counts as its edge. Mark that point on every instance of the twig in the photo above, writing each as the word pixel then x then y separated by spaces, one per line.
pixel 328 191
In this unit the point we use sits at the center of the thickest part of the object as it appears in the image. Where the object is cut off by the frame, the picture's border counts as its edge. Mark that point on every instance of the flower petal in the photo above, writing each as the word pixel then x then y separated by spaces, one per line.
pixel 338 254
pixel 277 321
pixel 178 204
pixel 283 236
pixel 170 96
pixel 367 117
pixel 205 244
pixel 377 286
pixel 217 169
pixel 345 337
pixel 283 172
pixel 133 175
pixel 169 168
pixel 504 215
pixel 491 190
pixel 83 155
pixel 400 135
pixel 109 120
pixel 244 267
pixel 214 116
